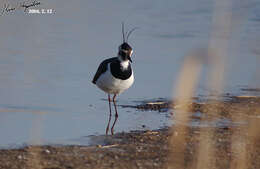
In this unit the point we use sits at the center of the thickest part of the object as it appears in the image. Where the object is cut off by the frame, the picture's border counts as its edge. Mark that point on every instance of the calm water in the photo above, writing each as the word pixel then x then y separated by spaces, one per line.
pixel 48 61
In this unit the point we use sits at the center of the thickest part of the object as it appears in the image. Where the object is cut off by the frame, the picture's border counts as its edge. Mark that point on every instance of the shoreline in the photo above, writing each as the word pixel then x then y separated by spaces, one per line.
pixel 150 148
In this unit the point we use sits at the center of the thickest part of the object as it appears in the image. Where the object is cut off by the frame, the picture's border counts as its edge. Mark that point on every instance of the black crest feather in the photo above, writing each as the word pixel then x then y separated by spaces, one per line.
pixel 127 34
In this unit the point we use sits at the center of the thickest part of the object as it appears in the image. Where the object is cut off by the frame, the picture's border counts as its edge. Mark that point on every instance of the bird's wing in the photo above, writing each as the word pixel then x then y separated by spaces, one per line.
pixel 102 68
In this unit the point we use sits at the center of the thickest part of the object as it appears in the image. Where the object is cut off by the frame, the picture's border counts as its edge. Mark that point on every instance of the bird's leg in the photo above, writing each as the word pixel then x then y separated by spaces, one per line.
pixel 108 124
pixel 116 115
pixel 114 101
pixel 112 128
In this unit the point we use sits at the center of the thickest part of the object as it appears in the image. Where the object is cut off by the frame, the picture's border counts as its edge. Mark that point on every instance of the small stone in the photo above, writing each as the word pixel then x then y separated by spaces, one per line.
pixel 47 151
pixel 20 157
pixel 155 164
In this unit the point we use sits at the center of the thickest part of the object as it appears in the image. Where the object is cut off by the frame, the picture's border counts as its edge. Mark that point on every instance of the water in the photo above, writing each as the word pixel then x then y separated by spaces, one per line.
pixel 48 62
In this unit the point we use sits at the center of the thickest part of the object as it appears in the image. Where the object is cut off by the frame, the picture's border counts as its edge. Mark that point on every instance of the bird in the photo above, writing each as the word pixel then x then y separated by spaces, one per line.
pixel 115 75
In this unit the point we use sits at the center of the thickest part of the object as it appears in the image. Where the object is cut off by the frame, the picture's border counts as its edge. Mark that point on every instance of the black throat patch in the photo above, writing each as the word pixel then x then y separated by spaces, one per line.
pixel 118 72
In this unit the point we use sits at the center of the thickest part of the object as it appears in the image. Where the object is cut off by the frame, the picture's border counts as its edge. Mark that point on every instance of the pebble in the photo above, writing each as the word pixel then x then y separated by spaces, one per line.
pixel 47 151
pixel 20 157
pixel 155 164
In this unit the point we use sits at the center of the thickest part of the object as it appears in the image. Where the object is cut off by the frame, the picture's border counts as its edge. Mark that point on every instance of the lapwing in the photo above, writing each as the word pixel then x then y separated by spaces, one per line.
pixel 115 75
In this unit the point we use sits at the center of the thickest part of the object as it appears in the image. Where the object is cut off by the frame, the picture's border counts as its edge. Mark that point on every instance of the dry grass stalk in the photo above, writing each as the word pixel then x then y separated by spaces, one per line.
pixel 187 82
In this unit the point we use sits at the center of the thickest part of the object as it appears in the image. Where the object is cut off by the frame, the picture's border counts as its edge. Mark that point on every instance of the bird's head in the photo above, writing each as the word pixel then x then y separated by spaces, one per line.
pixel 125 51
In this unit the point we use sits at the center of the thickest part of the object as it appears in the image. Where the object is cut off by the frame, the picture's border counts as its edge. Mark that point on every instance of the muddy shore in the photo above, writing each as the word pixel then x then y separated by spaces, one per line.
pixel 150 149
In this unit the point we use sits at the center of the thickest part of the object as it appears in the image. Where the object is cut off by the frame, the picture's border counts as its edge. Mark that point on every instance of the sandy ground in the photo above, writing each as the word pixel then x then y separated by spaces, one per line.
pixel 150 149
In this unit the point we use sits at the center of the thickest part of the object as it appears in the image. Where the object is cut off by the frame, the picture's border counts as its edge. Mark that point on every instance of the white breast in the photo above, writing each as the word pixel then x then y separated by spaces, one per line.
pixel 108 83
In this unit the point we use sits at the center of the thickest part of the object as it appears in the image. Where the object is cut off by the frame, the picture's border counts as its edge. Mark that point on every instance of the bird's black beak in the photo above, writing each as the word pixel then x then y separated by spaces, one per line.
pixel 129 58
